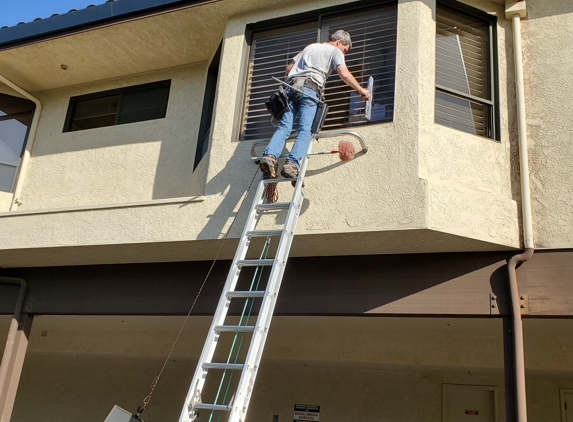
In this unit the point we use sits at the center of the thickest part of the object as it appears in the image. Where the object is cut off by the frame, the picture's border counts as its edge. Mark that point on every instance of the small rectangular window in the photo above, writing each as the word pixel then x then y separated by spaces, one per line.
pixel 126 105
pixel 464 73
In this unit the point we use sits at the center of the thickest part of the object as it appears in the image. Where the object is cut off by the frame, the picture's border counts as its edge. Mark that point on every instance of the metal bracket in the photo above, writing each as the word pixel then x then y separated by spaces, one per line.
pixel 524 304
pixel 493 307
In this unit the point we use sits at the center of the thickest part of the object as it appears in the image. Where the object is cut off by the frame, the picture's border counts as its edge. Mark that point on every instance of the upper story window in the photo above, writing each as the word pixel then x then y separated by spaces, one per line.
pixel 373 53
pixel 118 106
pixel 15 119
pixel 464 72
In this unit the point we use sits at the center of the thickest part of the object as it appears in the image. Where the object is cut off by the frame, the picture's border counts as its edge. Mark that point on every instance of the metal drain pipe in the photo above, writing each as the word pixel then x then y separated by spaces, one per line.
pixel 516 10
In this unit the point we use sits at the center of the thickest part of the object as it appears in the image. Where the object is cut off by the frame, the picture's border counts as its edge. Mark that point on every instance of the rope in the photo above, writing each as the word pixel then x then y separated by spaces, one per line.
pixel 155 381
pixel 271 193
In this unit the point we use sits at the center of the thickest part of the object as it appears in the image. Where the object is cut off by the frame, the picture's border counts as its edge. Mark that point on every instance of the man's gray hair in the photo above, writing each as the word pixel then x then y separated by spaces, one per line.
pixel 342 35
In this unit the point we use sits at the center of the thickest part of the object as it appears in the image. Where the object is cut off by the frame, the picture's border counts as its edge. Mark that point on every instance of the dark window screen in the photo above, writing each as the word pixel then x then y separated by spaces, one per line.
pixel 126 105
pixel 145 104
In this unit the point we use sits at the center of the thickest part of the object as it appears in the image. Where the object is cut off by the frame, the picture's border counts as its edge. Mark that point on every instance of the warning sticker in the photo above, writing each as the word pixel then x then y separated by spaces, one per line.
pixel 306 413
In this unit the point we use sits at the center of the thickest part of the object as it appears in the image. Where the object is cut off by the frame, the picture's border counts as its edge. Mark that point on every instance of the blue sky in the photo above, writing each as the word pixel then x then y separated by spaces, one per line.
pixel 14 11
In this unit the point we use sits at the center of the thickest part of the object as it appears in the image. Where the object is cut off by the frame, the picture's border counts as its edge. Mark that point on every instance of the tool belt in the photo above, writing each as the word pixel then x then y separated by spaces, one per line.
pixel 301 83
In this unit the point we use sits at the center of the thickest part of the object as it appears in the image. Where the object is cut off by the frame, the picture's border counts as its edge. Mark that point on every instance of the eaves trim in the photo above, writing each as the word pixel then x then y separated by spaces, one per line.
pixel 89 18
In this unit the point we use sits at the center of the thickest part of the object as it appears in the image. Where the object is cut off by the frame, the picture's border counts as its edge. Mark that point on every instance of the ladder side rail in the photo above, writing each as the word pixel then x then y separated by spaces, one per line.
pixel 248 376
pixel 208 351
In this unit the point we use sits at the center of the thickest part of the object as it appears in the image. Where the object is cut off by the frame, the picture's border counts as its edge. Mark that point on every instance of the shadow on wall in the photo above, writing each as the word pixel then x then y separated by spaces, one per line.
pixel 174 175
pixel 232 182
pixel 236 184
pixel 362 284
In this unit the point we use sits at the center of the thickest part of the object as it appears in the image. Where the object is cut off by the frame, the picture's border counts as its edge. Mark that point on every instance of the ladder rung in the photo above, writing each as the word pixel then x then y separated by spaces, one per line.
pixel 235 328
pixel 232 366
pixel 264 233
pixel 207 406
pixel 272 207
pixel 237 294
pixel 279 180
pixel 255 262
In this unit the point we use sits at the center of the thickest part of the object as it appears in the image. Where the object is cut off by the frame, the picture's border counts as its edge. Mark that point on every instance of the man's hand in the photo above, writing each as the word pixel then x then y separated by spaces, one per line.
pixel 364 93
pixel 349 80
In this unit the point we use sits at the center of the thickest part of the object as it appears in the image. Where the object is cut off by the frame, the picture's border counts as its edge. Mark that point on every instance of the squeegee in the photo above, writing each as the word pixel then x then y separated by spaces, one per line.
pixel 368 108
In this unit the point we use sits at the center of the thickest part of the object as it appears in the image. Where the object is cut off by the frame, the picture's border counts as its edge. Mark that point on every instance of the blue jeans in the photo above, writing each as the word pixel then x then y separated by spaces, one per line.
pixel 305 108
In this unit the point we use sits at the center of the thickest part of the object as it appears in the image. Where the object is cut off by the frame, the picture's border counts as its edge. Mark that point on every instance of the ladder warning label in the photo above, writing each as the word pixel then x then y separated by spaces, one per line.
pixel 306 413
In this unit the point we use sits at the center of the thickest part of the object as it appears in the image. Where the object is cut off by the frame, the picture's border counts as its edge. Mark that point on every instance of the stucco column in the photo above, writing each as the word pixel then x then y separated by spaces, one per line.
pixel 15 368
pixel 415 65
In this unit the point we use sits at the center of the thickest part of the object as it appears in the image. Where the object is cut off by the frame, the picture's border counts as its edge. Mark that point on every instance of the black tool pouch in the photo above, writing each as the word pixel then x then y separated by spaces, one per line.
pixel 277 104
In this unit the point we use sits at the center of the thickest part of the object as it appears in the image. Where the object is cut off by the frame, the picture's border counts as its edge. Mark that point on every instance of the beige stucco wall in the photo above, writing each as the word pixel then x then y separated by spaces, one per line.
pixel 125 163
pixel 548 66
pixel 415 176
pixel 354 368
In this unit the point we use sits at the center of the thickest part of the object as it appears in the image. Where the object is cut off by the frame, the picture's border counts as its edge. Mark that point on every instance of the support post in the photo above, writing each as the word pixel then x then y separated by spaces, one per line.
pixel 14 368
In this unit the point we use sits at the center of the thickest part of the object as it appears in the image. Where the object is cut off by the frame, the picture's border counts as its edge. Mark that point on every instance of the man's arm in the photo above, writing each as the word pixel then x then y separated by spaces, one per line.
pixel 349 80
pixel 289 67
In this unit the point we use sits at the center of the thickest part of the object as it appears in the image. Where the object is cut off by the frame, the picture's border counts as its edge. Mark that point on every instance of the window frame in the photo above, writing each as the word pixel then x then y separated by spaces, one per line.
pixel 317 15
pixel 32 111
pixel 494 127
pixel 113 92
pixel 209 97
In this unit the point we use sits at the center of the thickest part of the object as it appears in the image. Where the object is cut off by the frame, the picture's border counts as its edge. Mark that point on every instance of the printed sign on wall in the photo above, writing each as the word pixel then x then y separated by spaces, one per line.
pixel 306 413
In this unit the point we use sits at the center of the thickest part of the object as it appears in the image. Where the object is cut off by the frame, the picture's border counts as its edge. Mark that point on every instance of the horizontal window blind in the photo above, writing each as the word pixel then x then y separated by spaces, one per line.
pixel 373 53
pixel 463 73
pixel 271 52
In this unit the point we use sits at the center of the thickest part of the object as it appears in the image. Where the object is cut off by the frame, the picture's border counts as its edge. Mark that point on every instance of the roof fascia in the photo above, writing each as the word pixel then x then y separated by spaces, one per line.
pixel 89 18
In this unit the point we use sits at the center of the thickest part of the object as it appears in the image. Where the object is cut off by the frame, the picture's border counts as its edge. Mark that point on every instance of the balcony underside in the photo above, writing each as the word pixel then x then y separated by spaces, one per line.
pixel 308 245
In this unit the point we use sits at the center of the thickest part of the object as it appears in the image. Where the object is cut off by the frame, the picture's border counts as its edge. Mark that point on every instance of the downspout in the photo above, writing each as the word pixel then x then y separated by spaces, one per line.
pixel 29 144
pixel 13 328
pixel 516 10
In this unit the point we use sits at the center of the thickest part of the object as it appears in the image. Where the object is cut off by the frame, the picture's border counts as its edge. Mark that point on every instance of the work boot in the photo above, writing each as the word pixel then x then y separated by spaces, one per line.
pixel 269 167
pixel 290 171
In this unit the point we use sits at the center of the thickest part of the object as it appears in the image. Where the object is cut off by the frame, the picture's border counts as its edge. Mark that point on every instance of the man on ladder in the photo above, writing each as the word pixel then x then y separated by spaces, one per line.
pixel 309 67
pixel 307 72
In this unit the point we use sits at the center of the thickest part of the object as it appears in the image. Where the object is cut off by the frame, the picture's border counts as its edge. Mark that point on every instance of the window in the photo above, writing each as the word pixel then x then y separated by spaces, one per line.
pixel 15 119
pixel 119 106
pixel 373 53
pixel 208 104
pixel 464 72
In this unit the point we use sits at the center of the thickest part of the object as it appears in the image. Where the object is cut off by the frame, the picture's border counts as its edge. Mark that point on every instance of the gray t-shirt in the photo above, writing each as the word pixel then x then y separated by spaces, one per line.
pixel 316 62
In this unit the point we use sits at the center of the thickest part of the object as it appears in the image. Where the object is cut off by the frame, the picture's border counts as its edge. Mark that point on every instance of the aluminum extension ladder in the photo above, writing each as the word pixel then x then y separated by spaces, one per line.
pixel 238 403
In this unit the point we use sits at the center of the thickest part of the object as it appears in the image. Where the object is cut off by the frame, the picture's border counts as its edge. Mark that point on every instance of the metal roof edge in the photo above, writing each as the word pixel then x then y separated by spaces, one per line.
pixel 89 18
